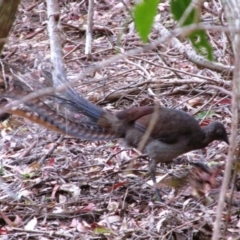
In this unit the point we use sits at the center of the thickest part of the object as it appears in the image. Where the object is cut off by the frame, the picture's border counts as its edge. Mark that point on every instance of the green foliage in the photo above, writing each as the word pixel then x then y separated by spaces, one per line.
pixel 198 38
pixel 102 230
pixel 2 171
pixel 178 7
pixel 204 114
pixel 29 175
pixel 201 44
pixel 144 14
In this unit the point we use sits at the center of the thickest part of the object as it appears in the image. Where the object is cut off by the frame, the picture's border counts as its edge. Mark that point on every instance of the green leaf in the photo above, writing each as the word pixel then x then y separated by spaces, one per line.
pixel 144 14
pixel 102 230
pixel 29 175
pixel 198 38
pixel 204 114
pixel 201 44
pixel 178 7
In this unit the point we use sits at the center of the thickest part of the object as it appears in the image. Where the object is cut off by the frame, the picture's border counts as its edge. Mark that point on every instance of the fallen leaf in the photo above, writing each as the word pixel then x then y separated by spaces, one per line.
pixel 31 224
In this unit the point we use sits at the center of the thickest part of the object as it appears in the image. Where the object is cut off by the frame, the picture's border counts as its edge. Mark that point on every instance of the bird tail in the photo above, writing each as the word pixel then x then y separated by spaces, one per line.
pixel 73 101
pixel 38 112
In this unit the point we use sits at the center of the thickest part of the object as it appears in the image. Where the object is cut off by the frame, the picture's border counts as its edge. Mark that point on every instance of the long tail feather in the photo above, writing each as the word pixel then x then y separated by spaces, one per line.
pixel 40 113
pixel 75 101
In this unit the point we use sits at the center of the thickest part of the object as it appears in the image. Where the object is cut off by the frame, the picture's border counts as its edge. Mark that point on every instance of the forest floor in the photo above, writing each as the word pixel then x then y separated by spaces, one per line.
pixel 92 189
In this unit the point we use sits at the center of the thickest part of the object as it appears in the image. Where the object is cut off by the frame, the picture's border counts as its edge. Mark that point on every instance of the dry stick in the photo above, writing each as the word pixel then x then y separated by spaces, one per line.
pixel 140 67
pixel 194 75
pixel 55 41
pixel 30 36
pixel 109 82
pixel 104 63
pixel 149 128
pixel 115 154
pixel 210 108
pixel 184 72
pixel 128 9
pixel 222 20
pixel 234 177
pixel 204 105
pixel 168 65
pixel 117 93
pixel 186 100
pixel 45 233
pixel 190 54
pixel 235 97
pixel 221 89
pixel 51 150
pixel 56 54
pixel 4 74
pixel 88 46
pixel 73 50
pixel 147 134
pixel 33 5
pixel 28 150
pixel 179 227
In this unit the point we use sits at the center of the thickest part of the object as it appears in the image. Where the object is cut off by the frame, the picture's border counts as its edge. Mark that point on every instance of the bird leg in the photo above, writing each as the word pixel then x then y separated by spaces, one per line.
pixel 152 171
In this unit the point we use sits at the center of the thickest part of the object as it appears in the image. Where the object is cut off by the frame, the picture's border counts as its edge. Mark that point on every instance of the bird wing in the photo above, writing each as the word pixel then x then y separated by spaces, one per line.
pixel 171 126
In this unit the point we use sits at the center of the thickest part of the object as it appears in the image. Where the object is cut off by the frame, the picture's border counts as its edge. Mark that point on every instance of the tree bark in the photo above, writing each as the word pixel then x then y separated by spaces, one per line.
pixel 8 9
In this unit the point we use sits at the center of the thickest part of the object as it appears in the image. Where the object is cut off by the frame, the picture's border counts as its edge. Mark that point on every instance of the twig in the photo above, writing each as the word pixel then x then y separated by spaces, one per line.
pixel 45 233
pixel 204 105
pixel 233 8
pixel 218 81
pixel 88 46
pixel 51 150
pixel 140 67
pixel 28 150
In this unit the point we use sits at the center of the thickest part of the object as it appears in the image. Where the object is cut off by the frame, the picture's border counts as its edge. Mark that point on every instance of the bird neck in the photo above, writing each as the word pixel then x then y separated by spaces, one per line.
pixel 208 135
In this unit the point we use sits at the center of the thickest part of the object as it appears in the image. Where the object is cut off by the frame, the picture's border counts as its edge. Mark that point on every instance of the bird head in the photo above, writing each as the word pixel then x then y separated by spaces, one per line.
pixel 216 131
